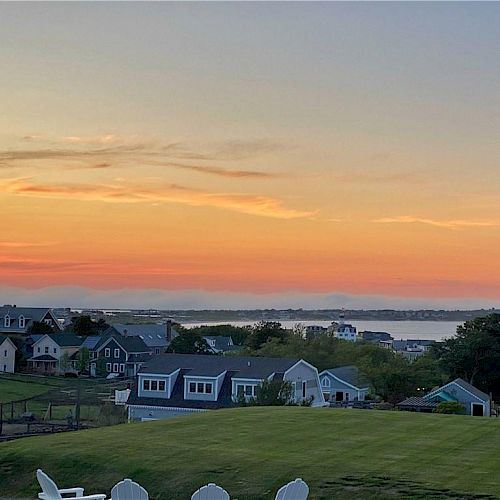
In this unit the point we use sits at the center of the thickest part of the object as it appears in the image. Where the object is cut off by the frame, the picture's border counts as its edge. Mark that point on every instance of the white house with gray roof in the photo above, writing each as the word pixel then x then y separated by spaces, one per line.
pixel 343 384
pixel 17 320
pixel 7 355
pixel 176 384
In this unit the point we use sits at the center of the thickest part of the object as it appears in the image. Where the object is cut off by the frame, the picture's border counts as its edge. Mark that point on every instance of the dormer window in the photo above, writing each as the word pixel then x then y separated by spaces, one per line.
pixel 6 321
pixel 22 322
pixel 325 382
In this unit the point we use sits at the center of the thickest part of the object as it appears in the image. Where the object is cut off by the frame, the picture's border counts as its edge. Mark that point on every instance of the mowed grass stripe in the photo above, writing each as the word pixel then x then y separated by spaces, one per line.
pixel 252 451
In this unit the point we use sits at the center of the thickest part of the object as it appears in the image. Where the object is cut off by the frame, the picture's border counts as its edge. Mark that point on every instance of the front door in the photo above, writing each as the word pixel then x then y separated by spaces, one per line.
pixel 477 410
pixel 339 396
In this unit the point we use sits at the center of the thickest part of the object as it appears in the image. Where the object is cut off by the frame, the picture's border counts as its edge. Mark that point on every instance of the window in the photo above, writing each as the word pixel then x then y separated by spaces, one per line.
pixel 115 367
pixel 145 385
pixel 325 382
pixel 5 353
pixel 22 322
pixel 154 385
pixel 201 387
pixel 122 368
pixel 107 352
pixel 161 385
pixel 55 350
pixel 304 388
pixel 117 353
pixel 108 367
pixel 247 390
pixel 157 350
pixel 46 350
pixel 6 321
pixel 38 349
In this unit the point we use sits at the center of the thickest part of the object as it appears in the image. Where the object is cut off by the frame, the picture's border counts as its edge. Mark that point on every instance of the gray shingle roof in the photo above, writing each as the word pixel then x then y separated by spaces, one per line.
pixel 66 339
pixel 91 341
pixel 30 315
pixel 153 335
pixel 418 402
pixel 464 385
pixel 349 374
pixel 129 344
pixel 211 366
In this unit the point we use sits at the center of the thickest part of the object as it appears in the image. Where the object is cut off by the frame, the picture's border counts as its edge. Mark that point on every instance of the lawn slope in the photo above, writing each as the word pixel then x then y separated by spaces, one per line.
pixel 252 451
pixel 13 390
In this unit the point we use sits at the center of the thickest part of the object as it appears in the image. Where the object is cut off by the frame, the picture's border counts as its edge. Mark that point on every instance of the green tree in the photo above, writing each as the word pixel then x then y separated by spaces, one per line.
pixel 85 325
pixel 450 407
pixel 269 393
pixel 238 333
pixel 39 328
pixel 264 331
pixel 189 342
pixel 64 362
pixel 474 353
pixel 83 359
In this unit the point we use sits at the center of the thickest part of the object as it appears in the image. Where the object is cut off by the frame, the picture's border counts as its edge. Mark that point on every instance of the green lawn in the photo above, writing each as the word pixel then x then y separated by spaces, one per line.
pixel 11 390
pixel 252 451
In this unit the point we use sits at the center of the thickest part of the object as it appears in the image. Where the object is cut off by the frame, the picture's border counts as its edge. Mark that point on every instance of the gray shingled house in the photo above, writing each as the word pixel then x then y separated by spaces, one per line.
pixel 474 401
pixel 343 384
pixel 17 320
pixel 175 384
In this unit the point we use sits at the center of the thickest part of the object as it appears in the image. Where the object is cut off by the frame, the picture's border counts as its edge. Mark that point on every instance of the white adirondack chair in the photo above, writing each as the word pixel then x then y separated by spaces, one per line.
pixel 210 492
pixel 294 490
pixel 128 490
pixel 50 491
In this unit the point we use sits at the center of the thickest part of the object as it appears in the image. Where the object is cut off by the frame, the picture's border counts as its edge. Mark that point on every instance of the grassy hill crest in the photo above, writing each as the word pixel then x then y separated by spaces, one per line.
pixel 253 451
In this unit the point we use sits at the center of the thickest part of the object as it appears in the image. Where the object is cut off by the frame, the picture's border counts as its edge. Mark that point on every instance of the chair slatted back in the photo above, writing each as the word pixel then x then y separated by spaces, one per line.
pixel 210 492
pixel 294 490
pixel 49 488
pixel 128 490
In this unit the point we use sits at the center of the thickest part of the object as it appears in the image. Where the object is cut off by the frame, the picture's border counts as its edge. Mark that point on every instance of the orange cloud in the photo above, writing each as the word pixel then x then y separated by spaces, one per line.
pixel 264 206
pixel 448 224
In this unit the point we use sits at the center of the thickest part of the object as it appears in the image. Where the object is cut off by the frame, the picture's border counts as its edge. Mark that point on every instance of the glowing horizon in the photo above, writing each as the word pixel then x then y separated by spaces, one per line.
pixel 309 150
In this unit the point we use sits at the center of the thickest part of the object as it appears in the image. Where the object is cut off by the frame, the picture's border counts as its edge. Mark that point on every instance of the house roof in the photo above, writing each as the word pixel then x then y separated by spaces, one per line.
pixel 220 343
pixel 418 402
pixel 128 344
pixel 91 341
pixel 66 339
pixel 349 374
pixel 465 386
pixel 212 366
pixel 153 335
pixel 5 339
pixel 401 345
pixel 43 357
pixel 30 314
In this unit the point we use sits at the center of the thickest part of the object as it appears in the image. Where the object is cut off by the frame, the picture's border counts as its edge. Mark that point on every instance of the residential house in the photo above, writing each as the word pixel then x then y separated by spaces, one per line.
pixel 346 332
pixel 122 355
pixel 176 384
pixel 156 336
pixel 55 353
pixel 375 337
pixel 219 344
pixel 411 349
pixel 474 401
pixel 343 384
pixel 312 330
pixel 17 320
pixel 7 355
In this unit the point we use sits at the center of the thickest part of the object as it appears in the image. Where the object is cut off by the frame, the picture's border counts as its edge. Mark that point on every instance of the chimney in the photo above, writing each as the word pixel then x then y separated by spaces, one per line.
pixel 168 331
pixel 125 332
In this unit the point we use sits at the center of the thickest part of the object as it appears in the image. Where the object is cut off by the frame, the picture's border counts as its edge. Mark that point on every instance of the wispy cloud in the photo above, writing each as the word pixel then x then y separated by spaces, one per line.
pixel 251 204
pixel 448 224
pixel 379 178
pixel 111 151
pixel 27 244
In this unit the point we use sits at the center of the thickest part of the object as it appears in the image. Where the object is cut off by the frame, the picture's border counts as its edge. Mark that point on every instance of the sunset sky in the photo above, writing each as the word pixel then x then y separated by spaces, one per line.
pixel 192 155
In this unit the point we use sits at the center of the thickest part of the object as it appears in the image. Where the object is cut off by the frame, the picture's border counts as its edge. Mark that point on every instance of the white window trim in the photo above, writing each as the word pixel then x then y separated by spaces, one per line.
pixel 115 367
pixel 6 321
pixel 108 367
pixel 22 322
pixel 107 352
pixel 115 351
pixel 122 367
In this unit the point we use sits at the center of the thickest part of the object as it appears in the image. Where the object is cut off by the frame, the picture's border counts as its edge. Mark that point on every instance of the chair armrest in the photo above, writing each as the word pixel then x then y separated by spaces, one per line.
pixel 78 492
pixel 99 496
